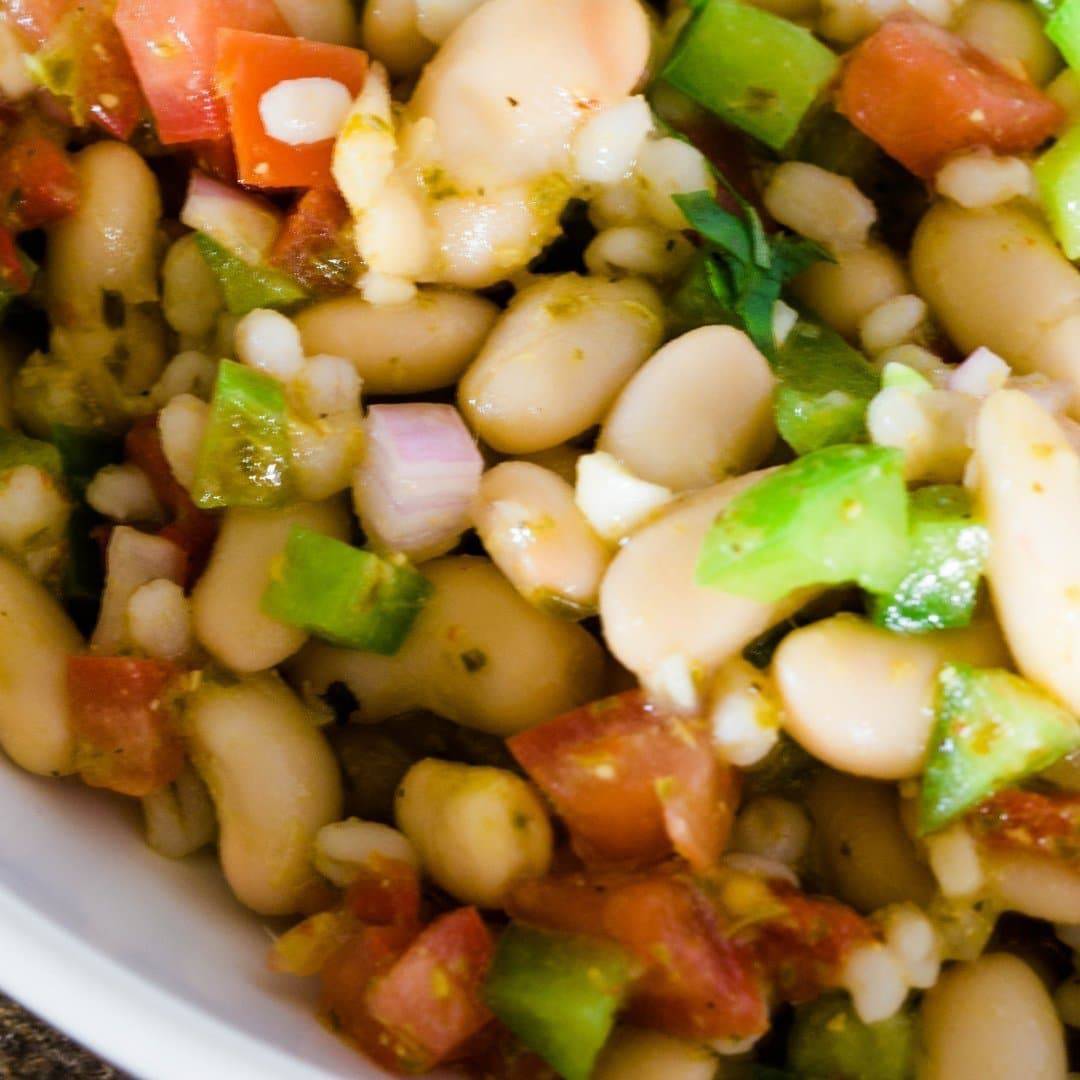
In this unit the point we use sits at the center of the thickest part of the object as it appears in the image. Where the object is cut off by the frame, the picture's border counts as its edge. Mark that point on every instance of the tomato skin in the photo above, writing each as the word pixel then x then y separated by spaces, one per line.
pixel 13 276
pixel 173 48
pixel 429 1003
pixel 124 736
pixel 922 94
pixel 38 183
pixel 248 65
pixel 385 894
pixel 315 244
pixel 631 782
pixel 192 530
pixel 1041 823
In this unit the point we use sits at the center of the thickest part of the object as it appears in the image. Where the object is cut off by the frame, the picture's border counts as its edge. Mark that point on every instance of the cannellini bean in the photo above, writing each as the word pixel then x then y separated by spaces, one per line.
pixel 478 654
pixel 844 292
pixel 36 638
pixel 827 673
pixel 699 410
pixel 636 1054
pixel 820 205
pixel 189 372
pixel 607 146
pixel 892 323
pixel 191 298
pixel 666 167
pixel 179 819
pixel 867 858
pixel 324 454
pixel 1012 33
pixel 1029 491
pixel 274 782
pixel 408 348
pixel 391 34
pixel 123 493
pixel 1024 302
pixel 344 848
pixel 477 830
pixel 557 358
pixel 226 604
pixel 773 827
pixel 1039 887
pixel 645 250
pixel 532 529
pixel 332 21
pixel 991 1020
pixel 652 609
pixel 182 424
pixel 913 940
pixel 270 342
pixel 159 619
pixel 438 19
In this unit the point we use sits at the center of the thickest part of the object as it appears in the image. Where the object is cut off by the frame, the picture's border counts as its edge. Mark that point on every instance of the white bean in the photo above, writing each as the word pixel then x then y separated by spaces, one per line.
pixel 179 819
pixel 635 1054
pixel 698 411
pixel 774 828
pixel 477 830
pixel 820 205
pixel 557 358
pixel 408 348
pixel 827 673
pixel 532 529
pixel 1012 33
pixel 1024 301
pixel 1036 886
pixel 324 454
pixel 226 603
pixel 274 782
pixel 159 619
pixel 1029 489
pixel 991 1020
pixel 653 610
pixel 865 853
pixel 391 35
pixel 332 21
pixel 36 638
pixel 344 848
pixel 182 424
pixel 478 654
pixel 191 298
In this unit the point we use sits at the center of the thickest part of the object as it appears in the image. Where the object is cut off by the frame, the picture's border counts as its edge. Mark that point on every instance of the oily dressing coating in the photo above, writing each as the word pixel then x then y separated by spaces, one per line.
pixel 469 184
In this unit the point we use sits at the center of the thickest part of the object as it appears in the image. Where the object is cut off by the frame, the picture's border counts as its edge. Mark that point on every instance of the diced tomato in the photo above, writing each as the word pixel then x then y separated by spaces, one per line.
pixel 216 158
pixel 173 47
pixel 922 94
pixel 193 530
pixel 305 948
pixel 35 19
pixel 248 65
pixel 429 1003
pixel 1038 822
pixel 14 279
pixel 124 736
pixel 315 245
pixel 347 976
pixel 38 183
pixel 385 894
pixel 632 782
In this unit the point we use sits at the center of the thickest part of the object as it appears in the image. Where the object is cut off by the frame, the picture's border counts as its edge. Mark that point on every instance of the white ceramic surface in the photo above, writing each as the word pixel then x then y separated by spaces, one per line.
pixel 150 963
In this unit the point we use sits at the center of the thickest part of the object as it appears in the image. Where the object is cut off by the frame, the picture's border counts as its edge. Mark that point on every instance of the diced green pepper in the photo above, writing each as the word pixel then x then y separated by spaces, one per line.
pixel 904 377
pixel 346 596
pixel 558 993
pixel 829 1042
pixel 1063 29
pixel 836 515
pixel 17 449
pixel 992 730
pixel 945 562
pixel 245 457
pixel 246 287
pixel 825 387
pixel 754 69
pixel 1058 170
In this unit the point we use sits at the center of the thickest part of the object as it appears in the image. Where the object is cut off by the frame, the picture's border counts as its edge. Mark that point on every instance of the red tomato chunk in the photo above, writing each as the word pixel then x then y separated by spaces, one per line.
pixel 38 184
pixel 922 94
pixel 1044 824
pixel 632 783
pixel 173 47
pixel 315 244
pixel 250 64
pixel 124 736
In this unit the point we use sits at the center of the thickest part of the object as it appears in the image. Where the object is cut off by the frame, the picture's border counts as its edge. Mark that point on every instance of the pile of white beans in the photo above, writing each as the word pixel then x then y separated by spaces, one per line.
pixel 611 448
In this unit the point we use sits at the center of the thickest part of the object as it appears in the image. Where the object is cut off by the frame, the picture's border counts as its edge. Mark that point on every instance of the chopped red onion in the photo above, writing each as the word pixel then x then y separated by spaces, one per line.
pixel 243 224
pixel 419 477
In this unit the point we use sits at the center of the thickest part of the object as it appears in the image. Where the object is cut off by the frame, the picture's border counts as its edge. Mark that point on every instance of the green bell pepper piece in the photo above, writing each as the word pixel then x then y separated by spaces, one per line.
pixel 1057 173
pixel 992 730
pixel 904 377
pixel 830 1042
pixel 836 515
pixel 17 449
pixel 754 69
pixel 244 286
pixel 948 551
pixel 825 388
pixel 346 596
pixel 558 994
pixel 245 457
pixel 1063 29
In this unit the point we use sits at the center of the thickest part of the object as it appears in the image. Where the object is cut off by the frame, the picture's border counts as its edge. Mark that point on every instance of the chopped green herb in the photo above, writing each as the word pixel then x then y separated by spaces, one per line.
pixel 993 729
pixel 836 515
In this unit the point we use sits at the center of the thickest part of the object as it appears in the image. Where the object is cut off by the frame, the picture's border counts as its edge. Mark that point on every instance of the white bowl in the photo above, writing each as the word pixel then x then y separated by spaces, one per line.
pixel 150 963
